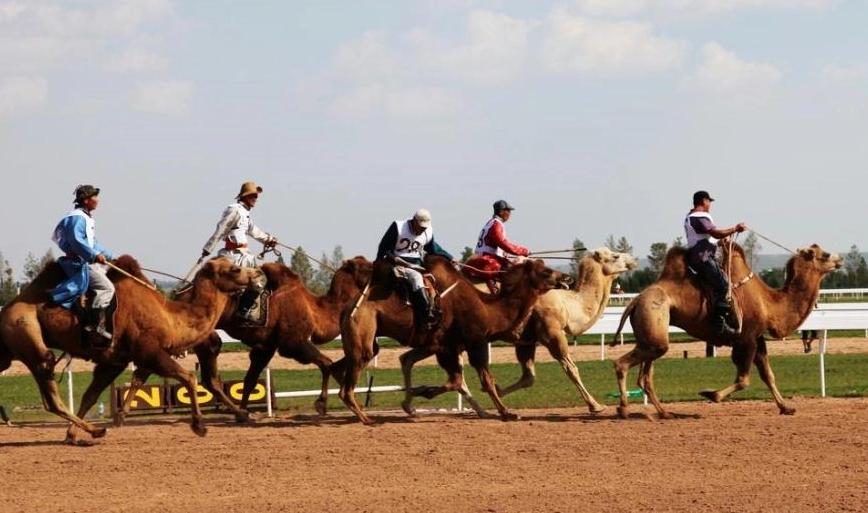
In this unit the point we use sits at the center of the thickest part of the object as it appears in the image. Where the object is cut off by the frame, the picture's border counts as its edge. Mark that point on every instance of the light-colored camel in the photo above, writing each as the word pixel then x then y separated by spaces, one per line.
pixel 561 313
pixel 148 330
pixel 470 318
pixel 677 299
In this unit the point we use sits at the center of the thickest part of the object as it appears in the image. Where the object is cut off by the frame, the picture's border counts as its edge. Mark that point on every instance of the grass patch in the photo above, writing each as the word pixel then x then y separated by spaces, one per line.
pixel 676 379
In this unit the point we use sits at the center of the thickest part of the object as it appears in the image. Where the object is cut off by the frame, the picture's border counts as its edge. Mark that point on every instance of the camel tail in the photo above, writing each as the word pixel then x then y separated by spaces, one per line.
pixel 624 316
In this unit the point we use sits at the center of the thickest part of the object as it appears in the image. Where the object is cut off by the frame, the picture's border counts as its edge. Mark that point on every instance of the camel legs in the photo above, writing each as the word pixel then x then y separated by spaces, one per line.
pixel 646 383
pixel 167 367
pixel 352 363
pixel 207 353
pixel 742 356
pixel 560 351
pixel 525 354
pixel 357 335
pixel 478 356
pixel 307 352
pixel 260 356
pixel 140 377
pixel 451 363
pixel 761 360
pixel 645 355
pixel 103 375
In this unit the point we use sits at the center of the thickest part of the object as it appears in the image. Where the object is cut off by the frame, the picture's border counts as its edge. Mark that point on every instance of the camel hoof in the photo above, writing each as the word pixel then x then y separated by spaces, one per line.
pixel 623 412
pixel 408 408
pixel 509 416
pixel 665 415
pixel 198 428
pixel 320 406
pixel 243 417
pixel 98 432
pixel 711 395
pixel 788 410
pixel 119 419
pixel 76 442
pixel 596 408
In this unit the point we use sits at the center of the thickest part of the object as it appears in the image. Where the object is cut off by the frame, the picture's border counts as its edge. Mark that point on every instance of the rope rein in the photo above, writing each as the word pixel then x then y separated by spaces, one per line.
pixel 128 275
pixel 761 236
pixel 165 274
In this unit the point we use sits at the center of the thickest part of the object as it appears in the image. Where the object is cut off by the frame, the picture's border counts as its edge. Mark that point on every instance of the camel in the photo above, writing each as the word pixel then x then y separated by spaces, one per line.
pixel 559 313
pixel 470 318
pixel 148 331
pixel 677 299
pixel 298 321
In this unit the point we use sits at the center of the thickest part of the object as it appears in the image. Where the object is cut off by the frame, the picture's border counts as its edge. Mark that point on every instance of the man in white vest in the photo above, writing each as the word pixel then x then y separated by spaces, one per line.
pixel 702 236
pixel 406 241
pixel 232 230
pixel 84 263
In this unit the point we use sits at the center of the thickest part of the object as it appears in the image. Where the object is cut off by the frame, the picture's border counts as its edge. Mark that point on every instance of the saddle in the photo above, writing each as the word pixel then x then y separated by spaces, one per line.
pixel 258 315
pixel 734 316
pixel 82 311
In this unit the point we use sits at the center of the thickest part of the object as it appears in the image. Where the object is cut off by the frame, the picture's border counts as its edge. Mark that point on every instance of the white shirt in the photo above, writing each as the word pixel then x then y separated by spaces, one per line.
pixel 409 244
pixel 234 227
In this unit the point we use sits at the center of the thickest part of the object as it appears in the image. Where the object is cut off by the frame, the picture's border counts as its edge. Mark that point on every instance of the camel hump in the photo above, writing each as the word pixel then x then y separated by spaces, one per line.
pixel 675 264
pixel 279 275
pixel 128 264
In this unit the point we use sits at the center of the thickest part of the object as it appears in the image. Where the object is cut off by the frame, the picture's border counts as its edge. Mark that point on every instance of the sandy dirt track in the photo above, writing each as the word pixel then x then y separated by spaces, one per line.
pixel 388 357
pixel 739 456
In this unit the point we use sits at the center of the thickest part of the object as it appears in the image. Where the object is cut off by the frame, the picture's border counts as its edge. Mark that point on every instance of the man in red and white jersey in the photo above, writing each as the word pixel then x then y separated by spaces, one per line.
pixel 493 247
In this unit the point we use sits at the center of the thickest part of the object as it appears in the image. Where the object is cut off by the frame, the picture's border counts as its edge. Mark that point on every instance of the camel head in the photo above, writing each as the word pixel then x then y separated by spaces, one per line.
pixel 814 259
pixel 229 277
pixel 612 262
pixel 534 273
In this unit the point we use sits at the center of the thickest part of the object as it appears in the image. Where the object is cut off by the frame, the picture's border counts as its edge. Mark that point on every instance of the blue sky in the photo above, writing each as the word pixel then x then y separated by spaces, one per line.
pixel 593 117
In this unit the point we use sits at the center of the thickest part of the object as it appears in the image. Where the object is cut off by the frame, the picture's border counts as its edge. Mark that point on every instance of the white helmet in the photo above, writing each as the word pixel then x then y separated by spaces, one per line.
pixel 423 218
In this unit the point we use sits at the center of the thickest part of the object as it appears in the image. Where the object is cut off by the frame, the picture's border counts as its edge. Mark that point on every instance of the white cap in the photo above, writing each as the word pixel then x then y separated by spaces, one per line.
pixel 423 217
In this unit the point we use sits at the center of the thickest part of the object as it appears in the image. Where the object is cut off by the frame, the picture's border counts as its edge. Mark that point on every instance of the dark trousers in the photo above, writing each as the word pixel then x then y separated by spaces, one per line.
pixel 709 272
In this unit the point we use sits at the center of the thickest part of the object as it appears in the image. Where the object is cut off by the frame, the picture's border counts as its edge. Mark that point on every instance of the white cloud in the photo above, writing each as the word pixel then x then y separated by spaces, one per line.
pixel 603 48
pixel 136 60
pixel 22 94
pixel 630 8
pixel 721 71
pixel 365 58
pixel 495 51
pixel 169 97
pixel 853 74
pixel 396 102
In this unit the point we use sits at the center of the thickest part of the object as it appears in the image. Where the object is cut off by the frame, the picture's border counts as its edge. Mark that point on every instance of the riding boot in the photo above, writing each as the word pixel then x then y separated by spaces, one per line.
pixel 246 303
pixel 421 308
pixel 720 320
pixel 98 335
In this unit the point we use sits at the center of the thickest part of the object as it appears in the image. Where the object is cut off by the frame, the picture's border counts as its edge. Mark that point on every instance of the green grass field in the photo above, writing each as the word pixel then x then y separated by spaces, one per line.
pixel 677 380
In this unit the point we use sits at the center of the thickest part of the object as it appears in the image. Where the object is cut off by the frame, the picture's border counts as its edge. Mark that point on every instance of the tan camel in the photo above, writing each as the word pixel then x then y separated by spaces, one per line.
pixel 148 331
pixel 470 319
pixel 562 313
pixel 677 299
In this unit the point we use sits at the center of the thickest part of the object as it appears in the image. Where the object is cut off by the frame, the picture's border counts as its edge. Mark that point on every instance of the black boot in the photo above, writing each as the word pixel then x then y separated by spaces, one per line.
pixel 720 321
pixel 246 303
pixel 97 334
pixel 422 311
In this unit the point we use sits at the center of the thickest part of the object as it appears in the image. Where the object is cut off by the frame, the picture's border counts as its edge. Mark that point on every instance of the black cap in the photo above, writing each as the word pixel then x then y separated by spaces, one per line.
pixel 502 205
pixel 83 192
pixel 698 196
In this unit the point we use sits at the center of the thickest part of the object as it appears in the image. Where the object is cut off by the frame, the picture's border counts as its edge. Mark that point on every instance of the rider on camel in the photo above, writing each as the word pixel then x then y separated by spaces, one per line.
pixel 493 248
pixel 702 235
pixel 403 244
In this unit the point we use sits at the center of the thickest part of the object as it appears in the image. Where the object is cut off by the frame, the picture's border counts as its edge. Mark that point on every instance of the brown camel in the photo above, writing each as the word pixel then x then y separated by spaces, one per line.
pixel 148 331
pixel 470 318
pixel 298 321
pixel 677 299
pixel 561 313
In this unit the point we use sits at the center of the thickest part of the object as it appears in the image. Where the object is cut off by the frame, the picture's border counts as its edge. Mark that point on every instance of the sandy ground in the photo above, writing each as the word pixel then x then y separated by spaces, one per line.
pixel 737 456
pixel 388 358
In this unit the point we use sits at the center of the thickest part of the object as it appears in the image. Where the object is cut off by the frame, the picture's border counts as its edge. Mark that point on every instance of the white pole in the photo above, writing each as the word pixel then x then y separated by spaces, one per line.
pixel 823 364
pixel 489 353
pixel 602 346
pixel 268 391
pixel 70 399
pixel 460 403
